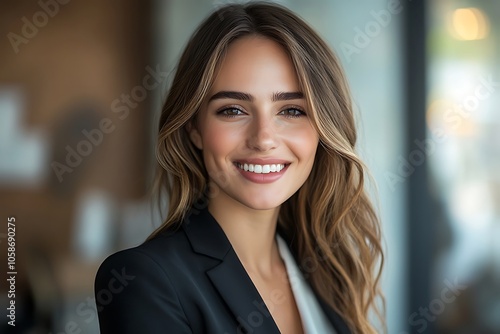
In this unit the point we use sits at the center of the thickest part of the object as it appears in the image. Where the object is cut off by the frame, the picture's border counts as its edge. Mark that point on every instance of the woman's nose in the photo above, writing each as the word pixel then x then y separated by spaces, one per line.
pixel 262 135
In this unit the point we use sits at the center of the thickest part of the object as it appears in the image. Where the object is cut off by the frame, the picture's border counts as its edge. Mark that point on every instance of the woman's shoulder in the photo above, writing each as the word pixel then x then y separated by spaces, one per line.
pixel 160 251
pixel 197 245
pixel 136 289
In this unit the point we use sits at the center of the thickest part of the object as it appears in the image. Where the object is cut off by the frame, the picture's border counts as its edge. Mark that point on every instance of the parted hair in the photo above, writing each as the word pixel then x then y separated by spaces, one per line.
pixel 336 229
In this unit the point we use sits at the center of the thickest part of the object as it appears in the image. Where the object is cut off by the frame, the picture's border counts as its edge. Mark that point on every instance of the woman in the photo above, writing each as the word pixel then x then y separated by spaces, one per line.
pixel 269 228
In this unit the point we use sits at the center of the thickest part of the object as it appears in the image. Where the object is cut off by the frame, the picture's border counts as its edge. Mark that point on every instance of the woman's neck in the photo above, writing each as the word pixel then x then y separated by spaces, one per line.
pixel 251 233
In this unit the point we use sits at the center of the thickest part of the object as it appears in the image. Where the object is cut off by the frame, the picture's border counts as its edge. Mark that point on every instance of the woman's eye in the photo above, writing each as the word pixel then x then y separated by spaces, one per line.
pixel 292 113
pixel 230 112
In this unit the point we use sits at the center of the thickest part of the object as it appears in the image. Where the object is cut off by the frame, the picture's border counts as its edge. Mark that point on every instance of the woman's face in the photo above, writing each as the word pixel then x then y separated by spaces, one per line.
pixel 257 141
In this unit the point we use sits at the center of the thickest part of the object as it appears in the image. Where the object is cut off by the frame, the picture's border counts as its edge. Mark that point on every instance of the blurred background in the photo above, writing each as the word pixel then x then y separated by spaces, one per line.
pixel 81 87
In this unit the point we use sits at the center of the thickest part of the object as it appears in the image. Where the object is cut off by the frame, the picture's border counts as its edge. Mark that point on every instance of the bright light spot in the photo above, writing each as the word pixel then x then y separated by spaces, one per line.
pixel 469 24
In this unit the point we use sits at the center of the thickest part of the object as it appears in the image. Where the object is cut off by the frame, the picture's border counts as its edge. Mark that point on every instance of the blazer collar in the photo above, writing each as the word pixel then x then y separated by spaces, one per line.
pixel 205 234
pixel 229 276
pixel 231 279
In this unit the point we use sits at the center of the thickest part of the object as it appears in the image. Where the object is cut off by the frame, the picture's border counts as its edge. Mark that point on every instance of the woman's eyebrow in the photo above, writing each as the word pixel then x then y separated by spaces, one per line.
pixel 284 96
pixel 232 95
pixel 279 96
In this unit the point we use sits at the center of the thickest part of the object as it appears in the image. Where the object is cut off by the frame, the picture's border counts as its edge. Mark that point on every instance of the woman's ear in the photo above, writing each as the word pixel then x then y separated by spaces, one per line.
pixel 194 135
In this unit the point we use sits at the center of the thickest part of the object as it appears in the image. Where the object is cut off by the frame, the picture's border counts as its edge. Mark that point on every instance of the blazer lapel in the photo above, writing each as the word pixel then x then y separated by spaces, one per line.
pixel 240 294
pixel 229 277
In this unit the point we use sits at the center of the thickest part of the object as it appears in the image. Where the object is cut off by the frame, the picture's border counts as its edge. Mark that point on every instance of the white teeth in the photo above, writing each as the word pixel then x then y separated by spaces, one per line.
pixel 261 169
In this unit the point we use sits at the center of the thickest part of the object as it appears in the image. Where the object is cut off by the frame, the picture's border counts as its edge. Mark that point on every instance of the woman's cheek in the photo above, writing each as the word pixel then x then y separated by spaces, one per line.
pixel 304 141
pixel 220 140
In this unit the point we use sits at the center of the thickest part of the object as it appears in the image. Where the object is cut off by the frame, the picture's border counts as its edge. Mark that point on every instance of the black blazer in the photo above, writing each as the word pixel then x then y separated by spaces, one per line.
pixel 188 281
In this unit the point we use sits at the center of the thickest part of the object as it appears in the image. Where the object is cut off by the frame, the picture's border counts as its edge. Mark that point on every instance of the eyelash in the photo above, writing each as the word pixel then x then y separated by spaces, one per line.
pixel 222 112
pixel 300 112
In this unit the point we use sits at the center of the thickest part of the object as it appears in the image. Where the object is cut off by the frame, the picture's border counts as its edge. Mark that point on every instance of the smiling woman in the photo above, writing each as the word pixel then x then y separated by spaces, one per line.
pixel 261 122
pixel 258 127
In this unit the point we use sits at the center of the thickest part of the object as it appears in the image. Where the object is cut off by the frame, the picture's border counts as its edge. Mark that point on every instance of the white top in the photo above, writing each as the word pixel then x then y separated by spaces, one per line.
pixel 313 318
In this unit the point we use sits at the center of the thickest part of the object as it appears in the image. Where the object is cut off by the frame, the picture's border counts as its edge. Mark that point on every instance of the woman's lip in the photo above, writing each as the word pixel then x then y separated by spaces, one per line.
pixel 262 177
pixel 263 161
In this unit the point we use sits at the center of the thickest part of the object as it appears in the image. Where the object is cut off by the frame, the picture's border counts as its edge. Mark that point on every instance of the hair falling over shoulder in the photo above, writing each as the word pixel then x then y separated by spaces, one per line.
pixel 336 229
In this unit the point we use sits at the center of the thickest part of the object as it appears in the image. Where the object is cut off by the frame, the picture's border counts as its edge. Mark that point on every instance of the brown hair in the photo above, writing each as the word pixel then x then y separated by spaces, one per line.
pixel 336 228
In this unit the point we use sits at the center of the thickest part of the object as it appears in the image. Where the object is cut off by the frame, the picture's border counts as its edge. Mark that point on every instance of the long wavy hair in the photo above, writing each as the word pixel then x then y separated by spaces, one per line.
pixel 336 229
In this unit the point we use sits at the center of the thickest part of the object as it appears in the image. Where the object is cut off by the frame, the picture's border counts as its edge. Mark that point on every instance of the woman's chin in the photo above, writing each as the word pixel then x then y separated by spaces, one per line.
pixel 262 203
